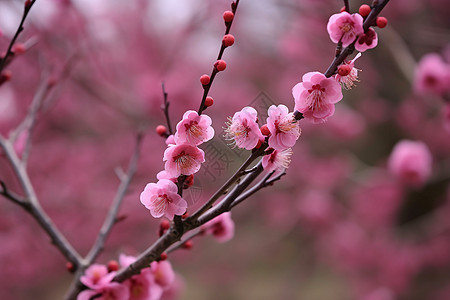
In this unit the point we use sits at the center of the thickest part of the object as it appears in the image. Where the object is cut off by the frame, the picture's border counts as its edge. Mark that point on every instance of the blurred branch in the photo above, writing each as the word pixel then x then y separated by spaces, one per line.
pixel 33 205
pixel 347 6
pixel 11 196
pixel 180 244
pixel 9 53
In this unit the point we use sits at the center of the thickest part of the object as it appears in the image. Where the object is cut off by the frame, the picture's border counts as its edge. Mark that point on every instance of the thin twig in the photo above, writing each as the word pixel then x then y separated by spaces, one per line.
pixel 9 53
pixel 166 109
pixel 188 238
pixel 11 196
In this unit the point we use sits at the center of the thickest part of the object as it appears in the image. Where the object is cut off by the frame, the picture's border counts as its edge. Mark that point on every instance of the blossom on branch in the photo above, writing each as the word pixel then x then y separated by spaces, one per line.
pixel 112 291
pixel 367 40
pixel 243 129
pixel 194 129
pixel 345 28
pixel 316 95
pixel 162 199
pixel 183 159
pixel 277 160
pixel 347 74
pixel 97 276
pixel 284 128
pixel 221 227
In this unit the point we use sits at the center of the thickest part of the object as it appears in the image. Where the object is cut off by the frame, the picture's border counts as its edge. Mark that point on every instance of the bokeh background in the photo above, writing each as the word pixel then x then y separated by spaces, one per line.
pixel 338 226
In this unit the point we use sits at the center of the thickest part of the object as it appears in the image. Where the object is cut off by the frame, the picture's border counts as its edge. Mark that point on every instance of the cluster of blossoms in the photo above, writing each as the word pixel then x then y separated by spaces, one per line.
pixel 150 284
pixel 317 94
pixel 282 131
pixel 182 158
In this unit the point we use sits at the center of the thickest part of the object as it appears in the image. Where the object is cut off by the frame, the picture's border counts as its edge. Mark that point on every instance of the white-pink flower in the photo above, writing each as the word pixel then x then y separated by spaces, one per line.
pixel 348 81
pixel 277 160
pixel 316 95
pixel 367 40
pixel 97 276
pixel 345 27
pixel 284 128
pixel 194 129
pixel 183 159
pixel 221 227
pixel 162 199
pixel 411 162
pixel 243 129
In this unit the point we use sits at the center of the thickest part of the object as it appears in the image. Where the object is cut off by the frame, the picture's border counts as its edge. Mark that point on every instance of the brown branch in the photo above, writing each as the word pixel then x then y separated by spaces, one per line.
pixel 11 196
pixel 9 53
pixel 165 108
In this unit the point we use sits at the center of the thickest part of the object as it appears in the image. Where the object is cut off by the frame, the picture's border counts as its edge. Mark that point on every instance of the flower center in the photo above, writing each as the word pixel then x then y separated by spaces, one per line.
pixel 184 161
pixel 315 97
pixel 193 129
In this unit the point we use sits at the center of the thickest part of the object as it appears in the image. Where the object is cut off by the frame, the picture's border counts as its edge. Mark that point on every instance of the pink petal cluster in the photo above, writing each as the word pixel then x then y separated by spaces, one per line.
pixel 183 159
pixel 142 286
pixel 345 27
pixel 243 129
pixel 221 227
pixel 98 279
pixel 162 199
pixel 411 162
pixel 432 75
pixel 316 95
pixel 163 273
pixel 277 160
pixel 367 40
pixel 284 128
pixel 194 129
pixel 348 81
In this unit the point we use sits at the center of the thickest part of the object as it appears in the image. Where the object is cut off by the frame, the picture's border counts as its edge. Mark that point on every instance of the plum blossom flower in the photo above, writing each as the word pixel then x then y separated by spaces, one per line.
pixel 112 291
pixel 170 140
pixel 367 40
pixel 163 273
pixel 284 129
pixel 432 75
pixel 97 276
pixel 183 159
pixel 277 160
pixel 243 129
pixel 221 227
pixel 194 129
pixel 164 175
pixel 162 199
pixel 345 27
pixel 348 81
pixel 316 95
pixel 143 285
pixel 411 162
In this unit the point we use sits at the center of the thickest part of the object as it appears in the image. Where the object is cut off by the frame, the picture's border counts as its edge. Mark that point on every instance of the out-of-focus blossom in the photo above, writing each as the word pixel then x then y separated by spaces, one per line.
pixel 432 75
pixel 162 199
pixel 345 27
pixel 163 273
pixel 411 162
pixel 284 129
pixel 112 291
pixel 170 140
pixel 97 276
pixel 221 227
pixel 183 159
pixel 194 129
pixel 316 95
pixel 243 129
pixel 350 75
pixel 277 160
pixel 367 40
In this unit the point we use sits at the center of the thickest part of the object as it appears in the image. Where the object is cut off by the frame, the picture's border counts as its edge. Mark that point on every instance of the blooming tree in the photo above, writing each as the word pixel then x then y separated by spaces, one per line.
pixel 268 137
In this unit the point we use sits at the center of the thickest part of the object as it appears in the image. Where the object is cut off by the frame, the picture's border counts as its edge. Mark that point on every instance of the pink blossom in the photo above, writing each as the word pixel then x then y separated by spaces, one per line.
pixel 97 276
pixel 143 285
pixel 162 272
pixel 367 40
pixel 277 160
pixel 410 161
pixel 194 129
pixel 112 291
pixel 315 96
pixel 221 227
pixel 432 75
pixel 284 129
pixel 183 160
pixel 345 27
pixel 243 129
pixel 164 175
pixel 170 140
pixel 348 81
pixel 162 199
